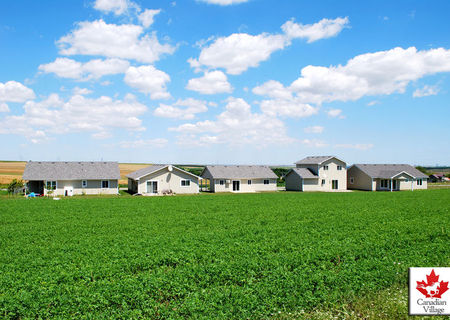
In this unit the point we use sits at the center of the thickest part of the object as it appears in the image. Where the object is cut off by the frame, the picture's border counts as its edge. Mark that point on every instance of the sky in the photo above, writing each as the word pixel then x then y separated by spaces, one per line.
pixel 225 81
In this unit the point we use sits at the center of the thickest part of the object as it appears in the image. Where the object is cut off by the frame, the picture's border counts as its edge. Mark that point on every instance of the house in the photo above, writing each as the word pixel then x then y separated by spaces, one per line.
pixel 435 178
pixel 387 177
pixel 159 179
pixel 68 178
pixel 240 178
pixel 317 173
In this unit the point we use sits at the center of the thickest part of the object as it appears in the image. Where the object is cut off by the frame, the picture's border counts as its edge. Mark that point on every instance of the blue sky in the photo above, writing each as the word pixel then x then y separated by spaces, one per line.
pixel 225 81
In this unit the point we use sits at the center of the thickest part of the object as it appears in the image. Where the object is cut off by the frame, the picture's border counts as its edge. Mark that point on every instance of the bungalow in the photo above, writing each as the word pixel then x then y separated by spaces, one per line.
pixel 317 173
pixel 66 178
pixel 387 177
pixel 159 179
pixel 240 178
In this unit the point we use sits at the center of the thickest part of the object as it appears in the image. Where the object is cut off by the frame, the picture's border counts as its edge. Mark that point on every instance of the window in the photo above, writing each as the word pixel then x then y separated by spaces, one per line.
pixel 385 183
pixel 419 182
pixel 105 184
pixel 325 167
pixel 352 180
pixel 84 183
pixel 51 185
pixel 185 183
pixel 266 181
pixel 249 182
pixel 323 181
pixel 221 182
pixel 339 167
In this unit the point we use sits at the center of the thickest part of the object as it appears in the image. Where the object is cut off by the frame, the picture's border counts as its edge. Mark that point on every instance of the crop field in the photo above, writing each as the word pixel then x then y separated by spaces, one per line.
pixel 269 255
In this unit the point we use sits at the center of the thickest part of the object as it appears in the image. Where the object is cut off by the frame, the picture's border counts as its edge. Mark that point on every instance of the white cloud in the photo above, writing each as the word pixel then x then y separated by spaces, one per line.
pixel 358 146
pixel 224 2
pixel 94 69
pixel 81 91
pixel 426 91
pixel 146 17
pixel 314 129
pixel 239 51
pixel 193 107
pixel 117 6
pixel 149 80
pixel 13 91
pixel 211 83
pixel 126 41
pixel 54 116
pixel 334 113
pixel 370 74
pixel 273 89
pixel 4 107
pixel 372 103
pixel 323 29
pixel 288 108
pixel 237 125
pixel 313 143
pixel 142 143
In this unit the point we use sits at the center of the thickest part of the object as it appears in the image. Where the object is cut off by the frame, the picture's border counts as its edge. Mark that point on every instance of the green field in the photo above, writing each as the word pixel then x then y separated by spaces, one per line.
pixel 269 255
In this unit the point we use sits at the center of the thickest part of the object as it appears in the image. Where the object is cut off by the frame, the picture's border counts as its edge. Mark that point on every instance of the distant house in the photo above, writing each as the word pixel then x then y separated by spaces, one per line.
pixel 317 173
pixel 387 177
pixel 435 178
pixel 66 178
pixel 240 178
pixel 159 179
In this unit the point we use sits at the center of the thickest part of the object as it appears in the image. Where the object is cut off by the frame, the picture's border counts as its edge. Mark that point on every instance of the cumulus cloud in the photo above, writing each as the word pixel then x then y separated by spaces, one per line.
pixel 314 129
pixel 146 17
pixel 192 107
pixel 287 108
pixel 426 91
pixel 224 2
pixel 237 125
pixel 211 83
pixel 55 116
pixel 358 146
pixel 126 41
pixel 325 28
pixel 81 91
pixel 13 91
pixel 334 113
pixel 94 69
pixel 149 80
pixel 142 143
pixel 118 7
pixel 313 143
pixel 273 89
pixel 4 107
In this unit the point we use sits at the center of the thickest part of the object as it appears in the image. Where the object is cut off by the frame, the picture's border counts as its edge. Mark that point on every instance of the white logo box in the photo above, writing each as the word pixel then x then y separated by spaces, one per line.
pixel 424 297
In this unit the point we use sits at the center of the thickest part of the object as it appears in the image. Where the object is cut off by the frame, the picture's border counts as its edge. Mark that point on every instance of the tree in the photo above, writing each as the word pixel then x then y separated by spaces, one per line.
pixel 15 186
pixel 423 170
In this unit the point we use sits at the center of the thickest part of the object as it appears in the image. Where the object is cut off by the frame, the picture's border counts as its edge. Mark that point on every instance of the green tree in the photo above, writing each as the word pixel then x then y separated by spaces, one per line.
pixel 423 170
pixel 15 186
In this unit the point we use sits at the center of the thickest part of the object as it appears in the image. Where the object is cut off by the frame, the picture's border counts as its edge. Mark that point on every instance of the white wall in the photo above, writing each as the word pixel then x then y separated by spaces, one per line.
pixel 93 187
pixel 257 185
pixel 169 181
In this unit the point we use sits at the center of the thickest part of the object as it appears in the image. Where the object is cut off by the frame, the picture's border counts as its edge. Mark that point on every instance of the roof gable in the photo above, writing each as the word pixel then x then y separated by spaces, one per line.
pixel 304 173
pixel 240 172
pixel 154 168
pixel 389 171
pixel 71 170
pixel 317 160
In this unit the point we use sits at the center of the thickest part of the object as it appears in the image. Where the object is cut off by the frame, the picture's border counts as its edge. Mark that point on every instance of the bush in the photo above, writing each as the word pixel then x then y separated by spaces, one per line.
pixel 16 186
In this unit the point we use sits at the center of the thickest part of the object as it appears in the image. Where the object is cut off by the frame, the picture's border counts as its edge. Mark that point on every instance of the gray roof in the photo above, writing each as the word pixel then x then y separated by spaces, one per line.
pixel 153 168
pixel 387 171
pixel 316 160
pixel 70 170
pixel 304 173
pixel 241 172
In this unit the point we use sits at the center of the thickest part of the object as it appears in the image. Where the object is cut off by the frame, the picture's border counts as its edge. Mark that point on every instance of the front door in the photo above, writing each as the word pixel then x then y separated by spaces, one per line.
pixel 68 191
pixel 152 186
pixel 236 185
pixel 334 184
pixel 394 184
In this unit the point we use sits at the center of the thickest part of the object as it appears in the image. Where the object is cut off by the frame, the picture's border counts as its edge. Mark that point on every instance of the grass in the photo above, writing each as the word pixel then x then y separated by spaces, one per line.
pixel 269 255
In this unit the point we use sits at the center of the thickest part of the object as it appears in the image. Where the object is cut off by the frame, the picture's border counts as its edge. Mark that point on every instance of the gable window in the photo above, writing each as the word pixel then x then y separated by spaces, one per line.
pixel 339 167
pixel 325 167
pixel 50 185
pixel 323 181
pixel 419 182
pixel 84 183
pixel 266 181
pixel 105 184
pixel 249 182
pixel 185 183
pixel 221 182
pixel 352 180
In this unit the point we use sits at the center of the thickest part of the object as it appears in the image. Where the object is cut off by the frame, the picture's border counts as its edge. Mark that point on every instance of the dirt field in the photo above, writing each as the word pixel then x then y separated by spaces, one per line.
pixel 10 170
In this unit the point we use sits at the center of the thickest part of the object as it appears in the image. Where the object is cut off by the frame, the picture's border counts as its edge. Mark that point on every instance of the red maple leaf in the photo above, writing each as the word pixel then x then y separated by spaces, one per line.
pixel 432 288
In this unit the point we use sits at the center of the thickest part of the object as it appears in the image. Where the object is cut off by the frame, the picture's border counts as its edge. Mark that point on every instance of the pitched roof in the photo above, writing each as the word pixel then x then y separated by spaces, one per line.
pixel 71 170
pixel 153 168
pixel 388 171
pixel 304 173
pixel 241 172
pixel 316 160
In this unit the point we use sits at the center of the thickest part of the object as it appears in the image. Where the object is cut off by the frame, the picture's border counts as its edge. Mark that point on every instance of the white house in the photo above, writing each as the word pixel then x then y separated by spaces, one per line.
pixel 318 173
pixel 68 178
pixel 240 178
pixel 159 179
pixel 385 177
